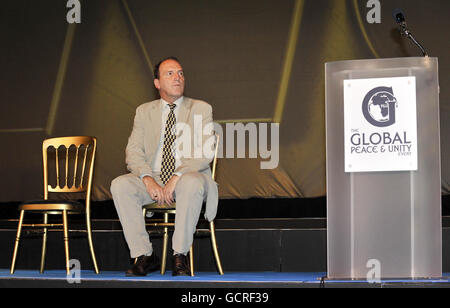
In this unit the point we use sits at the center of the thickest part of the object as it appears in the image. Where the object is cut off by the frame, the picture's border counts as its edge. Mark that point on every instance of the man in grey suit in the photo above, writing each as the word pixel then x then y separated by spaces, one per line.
pixel 159 175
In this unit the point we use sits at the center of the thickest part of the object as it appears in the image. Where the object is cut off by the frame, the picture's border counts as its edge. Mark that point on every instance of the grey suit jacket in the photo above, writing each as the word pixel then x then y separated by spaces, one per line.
pixel 145 136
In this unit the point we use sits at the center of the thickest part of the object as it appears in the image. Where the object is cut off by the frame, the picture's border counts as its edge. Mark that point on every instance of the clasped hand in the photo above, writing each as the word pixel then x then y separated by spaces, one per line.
pixel 161 194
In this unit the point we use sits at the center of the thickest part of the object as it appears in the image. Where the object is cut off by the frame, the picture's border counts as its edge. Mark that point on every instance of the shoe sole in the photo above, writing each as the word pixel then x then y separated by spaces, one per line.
pixel 142 275
pixel 183 274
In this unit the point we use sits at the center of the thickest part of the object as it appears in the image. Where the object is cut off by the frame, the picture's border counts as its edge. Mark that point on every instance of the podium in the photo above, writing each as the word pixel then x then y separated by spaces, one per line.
pixel 383 169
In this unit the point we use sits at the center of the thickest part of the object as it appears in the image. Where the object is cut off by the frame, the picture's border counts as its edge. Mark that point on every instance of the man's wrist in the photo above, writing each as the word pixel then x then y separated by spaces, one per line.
pixel 147 178
pixel 142 176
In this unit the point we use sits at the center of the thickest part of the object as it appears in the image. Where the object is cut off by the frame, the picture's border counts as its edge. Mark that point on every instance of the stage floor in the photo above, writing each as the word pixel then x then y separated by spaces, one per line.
pixel 58 278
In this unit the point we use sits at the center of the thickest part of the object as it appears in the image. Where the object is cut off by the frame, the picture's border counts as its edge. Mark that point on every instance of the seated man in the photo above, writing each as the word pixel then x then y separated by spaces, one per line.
pixel 160 175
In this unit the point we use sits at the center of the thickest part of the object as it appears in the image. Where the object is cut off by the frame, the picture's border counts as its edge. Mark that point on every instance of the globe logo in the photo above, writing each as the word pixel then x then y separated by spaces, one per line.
pixel 379 107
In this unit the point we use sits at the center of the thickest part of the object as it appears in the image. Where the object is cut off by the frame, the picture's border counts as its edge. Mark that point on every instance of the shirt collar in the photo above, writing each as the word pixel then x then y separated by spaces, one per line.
pixel 177 102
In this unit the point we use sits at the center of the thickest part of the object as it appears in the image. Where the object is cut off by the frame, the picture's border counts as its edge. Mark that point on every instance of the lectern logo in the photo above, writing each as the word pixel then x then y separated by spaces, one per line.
pixel 380 120
pixel 379 106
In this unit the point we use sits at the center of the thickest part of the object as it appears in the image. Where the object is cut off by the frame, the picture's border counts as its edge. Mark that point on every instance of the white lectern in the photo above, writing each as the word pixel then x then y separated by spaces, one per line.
pixel 388 219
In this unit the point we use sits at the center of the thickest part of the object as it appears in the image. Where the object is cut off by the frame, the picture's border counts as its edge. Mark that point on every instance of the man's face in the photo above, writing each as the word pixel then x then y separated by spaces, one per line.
pixel 171 81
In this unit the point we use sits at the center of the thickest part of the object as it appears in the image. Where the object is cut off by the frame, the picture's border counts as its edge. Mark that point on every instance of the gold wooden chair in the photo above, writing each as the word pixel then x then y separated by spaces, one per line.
pixel 80 151
pixel 165 224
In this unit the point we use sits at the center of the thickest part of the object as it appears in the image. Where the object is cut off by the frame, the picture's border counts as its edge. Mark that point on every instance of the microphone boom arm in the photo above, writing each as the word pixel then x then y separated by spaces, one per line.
pixel 399 18
pixel 404 30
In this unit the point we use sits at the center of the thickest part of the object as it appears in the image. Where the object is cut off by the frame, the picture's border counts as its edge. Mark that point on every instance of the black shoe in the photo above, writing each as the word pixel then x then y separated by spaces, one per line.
pixel 180 266
pixel 143 266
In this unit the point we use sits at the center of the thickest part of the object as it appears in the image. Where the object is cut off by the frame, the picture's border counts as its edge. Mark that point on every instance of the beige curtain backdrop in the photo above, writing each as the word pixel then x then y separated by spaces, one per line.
pixel 258 61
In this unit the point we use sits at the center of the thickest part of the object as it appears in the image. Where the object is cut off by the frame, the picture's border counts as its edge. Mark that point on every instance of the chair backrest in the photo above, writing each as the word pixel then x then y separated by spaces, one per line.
pixel 73 164
pixel 214 162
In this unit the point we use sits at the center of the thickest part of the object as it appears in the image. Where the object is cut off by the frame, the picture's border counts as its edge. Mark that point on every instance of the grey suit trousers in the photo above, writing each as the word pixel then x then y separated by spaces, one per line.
pixel 129 195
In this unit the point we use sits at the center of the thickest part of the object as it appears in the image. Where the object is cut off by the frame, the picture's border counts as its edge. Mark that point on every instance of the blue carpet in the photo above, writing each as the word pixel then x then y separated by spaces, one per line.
pixel 261 277
pixel 156 276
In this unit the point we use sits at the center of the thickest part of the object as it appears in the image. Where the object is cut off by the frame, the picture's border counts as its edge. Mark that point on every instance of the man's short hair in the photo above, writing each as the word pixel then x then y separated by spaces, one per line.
pixel 156 70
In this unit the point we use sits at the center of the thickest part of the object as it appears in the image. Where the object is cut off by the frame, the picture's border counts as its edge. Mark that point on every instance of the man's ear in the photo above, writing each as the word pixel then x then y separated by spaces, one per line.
pixel 156 83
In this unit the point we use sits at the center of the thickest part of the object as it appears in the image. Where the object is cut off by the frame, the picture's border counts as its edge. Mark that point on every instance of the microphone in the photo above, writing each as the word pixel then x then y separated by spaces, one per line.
pixel 400 19
pixel 398 15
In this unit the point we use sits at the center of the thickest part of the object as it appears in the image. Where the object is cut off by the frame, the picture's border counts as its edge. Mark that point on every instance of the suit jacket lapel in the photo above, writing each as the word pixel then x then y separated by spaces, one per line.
pixel 185 109
pixel 155 117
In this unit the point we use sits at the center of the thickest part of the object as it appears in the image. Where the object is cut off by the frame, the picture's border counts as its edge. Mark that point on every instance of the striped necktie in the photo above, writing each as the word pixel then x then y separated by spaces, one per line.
pixel 168 158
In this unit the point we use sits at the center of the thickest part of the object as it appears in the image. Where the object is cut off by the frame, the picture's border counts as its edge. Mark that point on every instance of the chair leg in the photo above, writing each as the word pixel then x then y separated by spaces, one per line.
pixel 165 243
pixel 214 246
pixel 66 241
pixel 91 244
pixel 191 259
pixel 44 244
pixel 16 245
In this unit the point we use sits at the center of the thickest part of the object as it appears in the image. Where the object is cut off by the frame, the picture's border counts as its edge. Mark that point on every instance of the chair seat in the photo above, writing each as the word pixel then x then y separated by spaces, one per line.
pixel 52 205
pixel 155 207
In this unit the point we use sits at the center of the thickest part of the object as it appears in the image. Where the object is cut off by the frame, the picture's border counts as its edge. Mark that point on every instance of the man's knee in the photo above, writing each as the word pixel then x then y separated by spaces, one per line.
pixel 193 182
pixel 121 184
